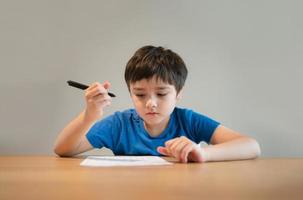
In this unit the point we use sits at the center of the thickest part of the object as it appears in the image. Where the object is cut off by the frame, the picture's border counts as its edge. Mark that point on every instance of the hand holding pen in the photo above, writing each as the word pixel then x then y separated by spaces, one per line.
pixel 97 98
pixel 83 87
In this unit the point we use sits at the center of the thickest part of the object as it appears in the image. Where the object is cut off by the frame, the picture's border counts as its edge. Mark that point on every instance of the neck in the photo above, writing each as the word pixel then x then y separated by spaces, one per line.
pixel 156 130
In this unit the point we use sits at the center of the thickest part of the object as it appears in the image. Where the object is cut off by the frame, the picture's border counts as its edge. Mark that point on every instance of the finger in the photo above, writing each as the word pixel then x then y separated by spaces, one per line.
pixel 99 90
pixel 185 152
pixel 173 148
pixel 92 86
pixel 163 151
pixel 92 93
pixel 175 144
pixel 106 85
pixel 106 103
pixel 178 149
pixel 101 100
pixel 102 104
pixel 99 86
pixel 170 142
pixel 101 97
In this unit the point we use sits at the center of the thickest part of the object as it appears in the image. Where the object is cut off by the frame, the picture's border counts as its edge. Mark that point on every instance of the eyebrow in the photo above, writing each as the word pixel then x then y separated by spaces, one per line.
pixel 137 88
pixel 158 88
pixel 163 88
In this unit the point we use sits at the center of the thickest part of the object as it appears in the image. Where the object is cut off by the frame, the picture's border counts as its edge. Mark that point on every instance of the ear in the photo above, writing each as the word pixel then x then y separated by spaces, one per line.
pixel 179 95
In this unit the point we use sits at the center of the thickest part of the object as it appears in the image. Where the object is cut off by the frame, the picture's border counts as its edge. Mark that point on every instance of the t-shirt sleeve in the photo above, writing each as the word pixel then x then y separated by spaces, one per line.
pixel 101 134
pixel 203 127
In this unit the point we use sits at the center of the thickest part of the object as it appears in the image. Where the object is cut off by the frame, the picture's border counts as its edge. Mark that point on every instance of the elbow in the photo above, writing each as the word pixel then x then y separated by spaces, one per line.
pixel 60 152
pixel 256 149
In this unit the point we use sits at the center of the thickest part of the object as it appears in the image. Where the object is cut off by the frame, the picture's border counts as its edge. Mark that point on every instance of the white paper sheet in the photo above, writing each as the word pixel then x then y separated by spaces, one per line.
pixel 109 161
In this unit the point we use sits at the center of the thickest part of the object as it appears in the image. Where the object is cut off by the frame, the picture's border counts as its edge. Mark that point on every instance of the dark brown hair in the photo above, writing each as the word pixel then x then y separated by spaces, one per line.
pixel 150 61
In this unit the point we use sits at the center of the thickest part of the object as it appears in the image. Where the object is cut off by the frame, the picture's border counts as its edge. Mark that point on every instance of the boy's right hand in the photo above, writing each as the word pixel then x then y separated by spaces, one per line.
pixel 97 99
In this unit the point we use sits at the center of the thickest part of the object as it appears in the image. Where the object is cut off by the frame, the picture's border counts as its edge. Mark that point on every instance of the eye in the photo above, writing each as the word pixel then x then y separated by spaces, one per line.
pixel 162 94
pixel 140 95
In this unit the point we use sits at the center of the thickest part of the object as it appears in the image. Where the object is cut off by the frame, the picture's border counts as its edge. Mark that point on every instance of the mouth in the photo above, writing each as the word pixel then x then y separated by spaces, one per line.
pixel 152 113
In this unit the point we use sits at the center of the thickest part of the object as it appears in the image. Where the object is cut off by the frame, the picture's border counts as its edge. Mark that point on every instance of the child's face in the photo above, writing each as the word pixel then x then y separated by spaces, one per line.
pixel 154 100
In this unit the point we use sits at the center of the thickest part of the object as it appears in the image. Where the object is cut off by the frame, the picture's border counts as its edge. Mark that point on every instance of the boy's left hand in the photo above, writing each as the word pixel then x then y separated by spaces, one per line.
pixel 183 149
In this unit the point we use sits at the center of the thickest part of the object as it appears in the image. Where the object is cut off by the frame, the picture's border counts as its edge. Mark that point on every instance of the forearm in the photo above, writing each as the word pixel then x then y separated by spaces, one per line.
pixel 237 149
pixel 70 137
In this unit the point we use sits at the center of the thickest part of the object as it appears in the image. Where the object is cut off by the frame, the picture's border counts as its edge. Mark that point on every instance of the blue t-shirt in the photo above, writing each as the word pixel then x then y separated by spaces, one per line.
pixel 124 132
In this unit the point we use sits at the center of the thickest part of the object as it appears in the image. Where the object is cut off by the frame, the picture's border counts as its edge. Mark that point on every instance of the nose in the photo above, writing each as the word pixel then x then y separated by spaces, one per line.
pixel 151 103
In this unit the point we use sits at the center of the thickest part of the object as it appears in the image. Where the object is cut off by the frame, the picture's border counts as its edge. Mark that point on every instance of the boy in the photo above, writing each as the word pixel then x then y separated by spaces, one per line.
pixel 155 78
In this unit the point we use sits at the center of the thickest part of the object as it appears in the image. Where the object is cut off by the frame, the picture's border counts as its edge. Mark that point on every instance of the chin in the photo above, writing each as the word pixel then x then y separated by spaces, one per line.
pixel 154 121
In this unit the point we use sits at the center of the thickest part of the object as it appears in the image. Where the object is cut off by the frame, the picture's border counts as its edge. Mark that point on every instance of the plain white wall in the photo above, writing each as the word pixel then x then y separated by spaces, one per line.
pixel 244 60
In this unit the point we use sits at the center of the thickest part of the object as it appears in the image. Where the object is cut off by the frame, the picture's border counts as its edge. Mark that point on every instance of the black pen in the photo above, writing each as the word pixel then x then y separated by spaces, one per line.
pixel 83 87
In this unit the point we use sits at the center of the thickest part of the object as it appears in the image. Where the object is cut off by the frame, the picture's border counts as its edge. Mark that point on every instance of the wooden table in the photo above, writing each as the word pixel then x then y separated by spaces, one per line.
pixel 50 177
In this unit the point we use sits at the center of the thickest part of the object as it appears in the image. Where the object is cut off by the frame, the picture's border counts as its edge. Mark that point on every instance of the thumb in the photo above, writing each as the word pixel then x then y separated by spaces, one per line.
pixel 106 84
